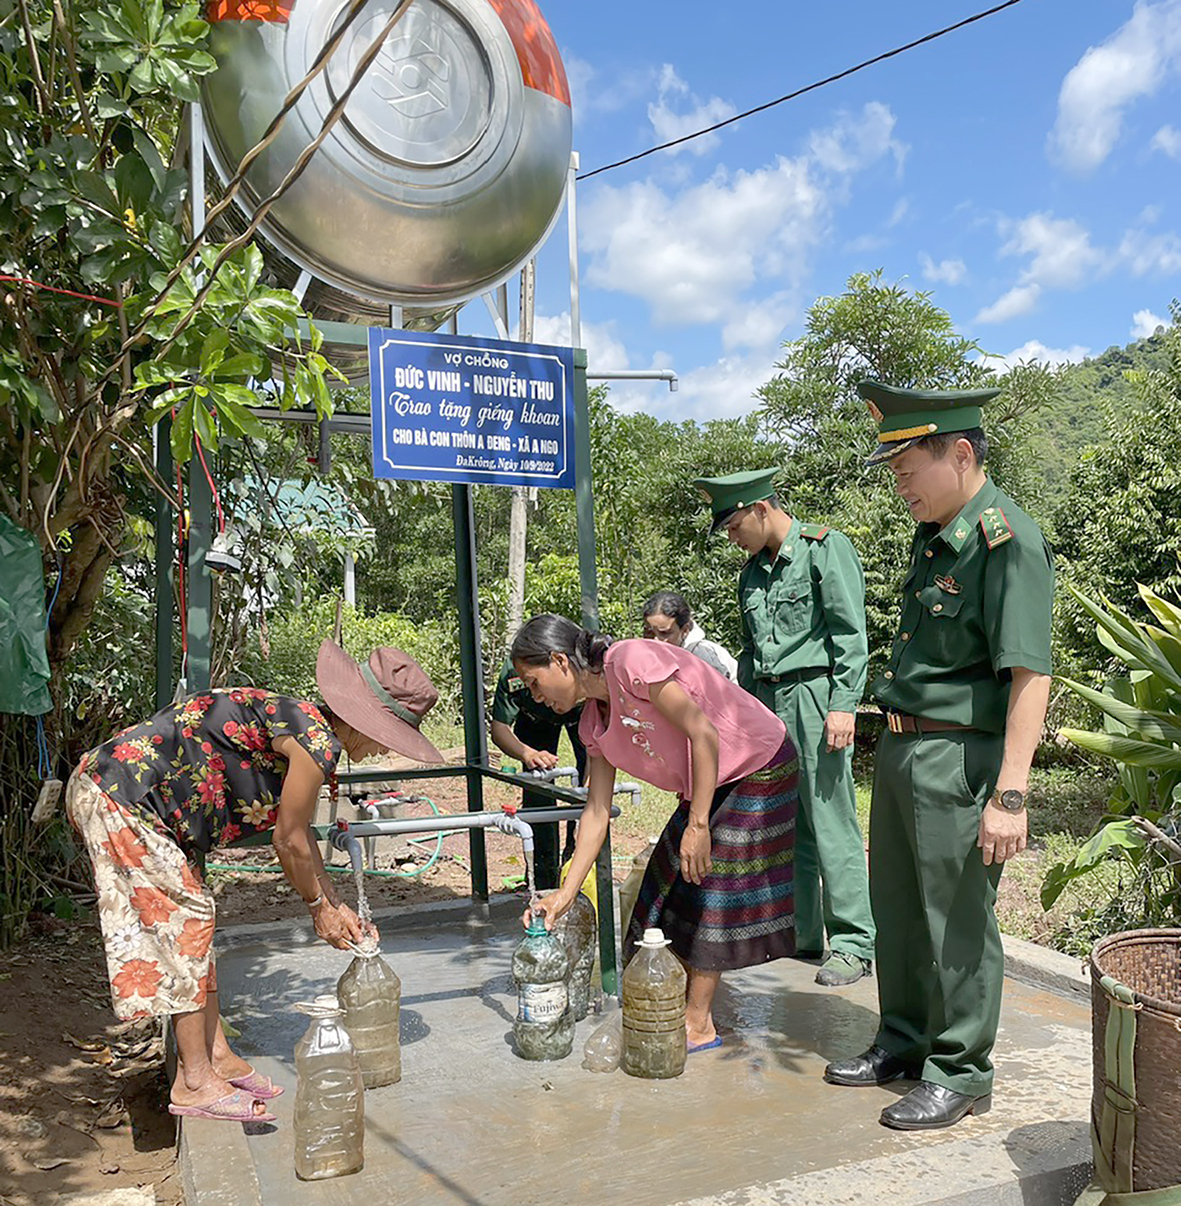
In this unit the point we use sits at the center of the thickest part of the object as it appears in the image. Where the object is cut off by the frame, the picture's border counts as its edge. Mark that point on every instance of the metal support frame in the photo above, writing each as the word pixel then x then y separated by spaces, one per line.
pixel 165 529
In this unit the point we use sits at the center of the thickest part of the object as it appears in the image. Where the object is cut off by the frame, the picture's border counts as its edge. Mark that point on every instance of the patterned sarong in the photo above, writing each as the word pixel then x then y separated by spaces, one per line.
pixel 743 913
pixel 156 912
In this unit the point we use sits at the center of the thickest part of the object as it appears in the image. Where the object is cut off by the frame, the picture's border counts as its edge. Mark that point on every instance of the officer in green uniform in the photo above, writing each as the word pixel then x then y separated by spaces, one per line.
pixel 527 730
pixel 965 691
pixel 804 655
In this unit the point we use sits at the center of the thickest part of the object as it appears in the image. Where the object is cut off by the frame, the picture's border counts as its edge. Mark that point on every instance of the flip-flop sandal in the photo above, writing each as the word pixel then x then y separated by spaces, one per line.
pixel 257 1085
pixel 233 1107
pixel 716 1041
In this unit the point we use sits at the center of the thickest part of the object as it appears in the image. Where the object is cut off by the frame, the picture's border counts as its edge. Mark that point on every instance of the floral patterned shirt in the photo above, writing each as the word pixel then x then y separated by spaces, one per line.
pixel 204 767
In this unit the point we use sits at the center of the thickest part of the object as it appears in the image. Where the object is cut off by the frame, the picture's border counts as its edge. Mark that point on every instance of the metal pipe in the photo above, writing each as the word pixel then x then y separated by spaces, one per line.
pixel 638 375
pixel 458 821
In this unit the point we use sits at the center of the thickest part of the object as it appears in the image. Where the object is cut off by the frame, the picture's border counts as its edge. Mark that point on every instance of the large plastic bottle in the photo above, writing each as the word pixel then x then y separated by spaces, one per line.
pixel 653 1011
pixel 329 1123
pixel 578 928
pixel 544 1027
pixel 371 996
pixel 602 1049
pixel 630 888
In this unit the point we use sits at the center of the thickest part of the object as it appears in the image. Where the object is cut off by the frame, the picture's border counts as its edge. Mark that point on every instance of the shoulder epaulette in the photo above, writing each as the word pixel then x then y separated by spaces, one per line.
pixel 995 527
pixel 814 531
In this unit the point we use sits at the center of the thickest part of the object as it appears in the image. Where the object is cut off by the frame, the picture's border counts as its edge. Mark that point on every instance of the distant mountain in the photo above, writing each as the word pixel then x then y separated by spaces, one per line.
pixel 1091 394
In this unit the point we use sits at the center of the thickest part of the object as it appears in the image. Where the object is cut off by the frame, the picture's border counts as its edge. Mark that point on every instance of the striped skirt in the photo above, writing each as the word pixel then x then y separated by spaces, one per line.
pixel 743 912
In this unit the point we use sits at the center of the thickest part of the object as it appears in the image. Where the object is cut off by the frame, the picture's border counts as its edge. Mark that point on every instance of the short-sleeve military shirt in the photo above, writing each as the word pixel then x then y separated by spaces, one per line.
pixel 535 724
pixel 976 602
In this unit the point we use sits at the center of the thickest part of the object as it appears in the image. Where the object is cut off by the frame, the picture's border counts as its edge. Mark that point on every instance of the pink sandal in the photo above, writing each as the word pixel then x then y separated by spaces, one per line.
pixel 257 1085
pixel 233 1107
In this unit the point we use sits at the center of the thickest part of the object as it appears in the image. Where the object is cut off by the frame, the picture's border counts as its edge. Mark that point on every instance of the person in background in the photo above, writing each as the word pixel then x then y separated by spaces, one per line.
pixel 719 883
pixel 210 771
pixel 964 689
pixel 667 618
pixel 804 655
pixel 528 731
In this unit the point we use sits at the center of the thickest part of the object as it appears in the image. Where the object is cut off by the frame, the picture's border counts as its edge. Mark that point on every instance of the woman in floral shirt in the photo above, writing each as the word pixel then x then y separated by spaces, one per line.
pixel 210 771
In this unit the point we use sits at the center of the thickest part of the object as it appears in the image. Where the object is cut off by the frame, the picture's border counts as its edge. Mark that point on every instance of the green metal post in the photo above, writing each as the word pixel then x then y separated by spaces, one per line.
pixel 475 740
pixel 165 534
pixel 199 586
pixel 584 505
pixel 605 895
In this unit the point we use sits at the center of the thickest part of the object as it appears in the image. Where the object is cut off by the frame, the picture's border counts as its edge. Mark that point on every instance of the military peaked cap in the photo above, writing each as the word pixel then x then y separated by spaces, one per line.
pixel 905 416
pixel 734 491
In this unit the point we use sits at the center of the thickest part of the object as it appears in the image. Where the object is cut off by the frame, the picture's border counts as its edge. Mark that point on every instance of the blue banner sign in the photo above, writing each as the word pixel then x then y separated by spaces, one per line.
pixel 454 408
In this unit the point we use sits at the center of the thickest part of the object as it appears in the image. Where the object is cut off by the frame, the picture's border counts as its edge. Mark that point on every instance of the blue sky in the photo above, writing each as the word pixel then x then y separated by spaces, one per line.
pixel 1026 170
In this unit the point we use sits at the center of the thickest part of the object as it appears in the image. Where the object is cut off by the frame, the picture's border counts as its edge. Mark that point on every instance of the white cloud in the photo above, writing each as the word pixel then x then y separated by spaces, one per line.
pixel 900 210
pixel 693 253
pixel 722 390
pixel 1021 299
pixel 669 124
pixel 1062 257
pixel 1134 62
pixel 1145 323
pixel 590 94
pixel 947 272
pixel 605 351
pixel 1035 350
pixel 1151 254
pixel 1167 139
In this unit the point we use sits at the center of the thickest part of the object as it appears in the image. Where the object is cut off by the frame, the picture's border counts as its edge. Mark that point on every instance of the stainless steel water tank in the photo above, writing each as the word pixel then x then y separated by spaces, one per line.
pixel 448 166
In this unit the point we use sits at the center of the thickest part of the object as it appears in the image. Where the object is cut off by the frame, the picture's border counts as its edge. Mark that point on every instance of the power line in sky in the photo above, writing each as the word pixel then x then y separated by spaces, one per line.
pixel 832 79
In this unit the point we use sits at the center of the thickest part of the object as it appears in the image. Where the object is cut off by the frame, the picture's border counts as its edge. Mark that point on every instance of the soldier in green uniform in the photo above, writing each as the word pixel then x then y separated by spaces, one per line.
pixel 965 691
pixel 804 656
pixel 526 730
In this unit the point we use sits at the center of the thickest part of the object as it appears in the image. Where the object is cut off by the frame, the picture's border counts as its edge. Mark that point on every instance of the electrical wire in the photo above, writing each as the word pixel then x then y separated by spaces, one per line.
pixel 832 79
pixel 24 280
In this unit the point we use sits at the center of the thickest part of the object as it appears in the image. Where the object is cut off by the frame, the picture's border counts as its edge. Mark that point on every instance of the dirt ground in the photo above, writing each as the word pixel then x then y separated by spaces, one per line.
pixel 83 1098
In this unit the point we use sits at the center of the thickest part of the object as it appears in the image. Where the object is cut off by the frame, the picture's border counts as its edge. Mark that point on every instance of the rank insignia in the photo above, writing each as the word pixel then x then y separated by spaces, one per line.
pixel 515 684
pixel 995 527
pixel 948 584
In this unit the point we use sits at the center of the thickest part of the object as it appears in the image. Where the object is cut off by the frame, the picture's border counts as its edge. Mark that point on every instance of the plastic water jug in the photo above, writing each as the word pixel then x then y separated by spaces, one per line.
pixel 371 996
pixel 630 888
pixel 544 1026
pixel 329 1123
pixel 602 1050
pixel 578 928
pixel 653 1011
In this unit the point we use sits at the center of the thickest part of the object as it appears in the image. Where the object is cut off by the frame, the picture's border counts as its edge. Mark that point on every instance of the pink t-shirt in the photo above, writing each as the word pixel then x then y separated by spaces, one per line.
pixel 636 739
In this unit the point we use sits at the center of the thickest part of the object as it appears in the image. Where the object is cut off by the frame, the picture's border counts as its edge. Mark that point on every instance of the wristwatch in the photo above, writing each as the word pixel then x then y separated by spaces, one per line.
pixel 1011 800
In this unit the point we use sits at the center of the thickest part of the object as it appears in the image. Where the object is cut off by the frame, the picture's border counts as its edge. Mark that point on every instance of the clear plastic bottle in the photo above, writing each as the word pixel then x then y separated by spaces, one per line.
pixel 544 1027
pixel 329 1124
pixel 602 1050
pixel 578 928
pixel 630 888
pixel 653 1011
pixel 371 996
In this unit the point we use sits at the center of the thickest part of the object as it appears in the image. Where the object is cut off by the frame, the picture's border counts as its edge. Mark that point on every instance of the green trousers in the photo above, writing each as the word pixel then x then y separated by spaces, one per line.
pixel 940 965
pixel 831 879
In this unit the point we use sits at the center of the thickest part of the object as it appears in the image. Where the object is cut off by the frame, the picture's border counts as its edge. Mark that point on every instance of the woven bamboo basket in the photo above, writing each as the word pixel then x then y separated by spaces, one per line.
pixel 1136 1123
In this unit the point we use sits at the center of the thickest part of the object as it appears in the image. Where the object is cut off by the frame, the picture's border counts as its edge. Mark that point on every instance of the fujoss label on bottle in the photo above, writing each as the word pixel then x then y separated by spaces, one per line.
pixel 542 1002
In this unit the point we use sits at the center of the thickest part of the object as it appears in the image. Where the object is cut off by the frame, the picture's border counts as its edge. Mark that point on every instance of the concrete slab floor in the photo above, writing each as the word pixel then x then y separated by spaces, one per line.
pixel 749 1124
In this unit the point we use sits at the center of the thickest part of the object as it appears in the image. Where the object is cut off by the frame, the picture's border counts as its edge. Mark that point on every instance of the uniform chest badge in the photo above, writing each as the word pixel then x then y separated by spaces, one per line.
pixel 947 583
pixel 515 684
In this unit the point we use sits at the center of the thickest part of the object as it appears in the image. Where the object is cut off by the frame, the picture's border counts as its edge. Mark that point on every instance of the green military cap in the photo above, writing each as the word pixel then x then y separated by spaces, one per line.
pixel 905 416
pixel 734 491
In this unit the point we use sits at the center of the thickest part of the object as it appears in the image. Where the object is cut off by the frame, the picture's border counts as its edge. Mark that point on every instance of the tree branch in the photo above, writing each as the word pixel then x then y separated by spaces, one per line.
pixel 35 59
pixel 79 92
pixel 1159 836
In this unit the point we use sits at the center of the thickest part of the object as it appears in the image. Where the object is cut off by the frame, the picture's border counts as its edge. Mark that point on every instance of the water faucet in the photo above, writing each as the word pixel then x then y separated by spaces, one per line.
pixel 508 822
pixel 342 838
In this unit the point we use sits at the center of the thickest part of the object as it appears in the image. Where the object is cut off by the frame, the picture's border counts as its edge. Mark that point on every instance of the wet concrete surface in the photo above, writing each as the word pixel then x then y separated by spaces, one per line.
pixel 748 1124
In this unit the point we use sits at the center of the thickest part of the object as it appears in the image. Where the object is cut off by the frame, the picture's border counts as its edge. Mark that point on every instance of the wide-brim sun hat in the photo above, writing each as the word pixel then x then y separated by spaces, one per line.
pixel 384 699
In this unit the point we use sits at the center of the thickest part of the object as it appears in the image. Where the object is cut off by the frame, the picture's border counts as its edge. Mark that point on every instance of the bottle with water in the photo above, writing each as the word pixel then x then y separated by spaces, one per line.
pixel 653 1011
pixel 329 1124
pixel 578 927
pixel 371 996
pixel 544 1026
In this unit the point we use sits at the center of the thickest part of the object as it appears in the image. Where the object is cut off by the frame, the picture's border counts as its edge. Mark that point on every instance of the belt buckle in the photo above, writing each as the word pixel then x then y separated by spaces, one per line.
pixel 894 722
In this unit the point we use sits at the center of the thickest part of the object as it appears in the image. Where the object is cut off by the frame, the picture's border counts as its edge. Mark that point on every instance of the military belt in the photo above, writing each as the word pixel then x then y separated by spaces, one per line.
pixel 900 722
pixel 797 676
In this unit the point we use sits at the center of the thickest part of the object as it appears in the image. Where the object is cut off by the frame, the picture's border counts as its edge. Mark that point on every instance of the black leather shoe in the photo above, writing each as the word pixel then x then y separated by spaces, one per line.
pixel 931 1107
pixel 873 1067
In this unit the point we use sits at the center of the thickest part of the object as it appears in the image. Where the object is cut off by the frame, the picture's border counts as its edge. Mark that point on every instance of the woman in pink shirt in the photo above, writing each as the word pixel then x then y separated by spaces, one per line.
pixel 720 880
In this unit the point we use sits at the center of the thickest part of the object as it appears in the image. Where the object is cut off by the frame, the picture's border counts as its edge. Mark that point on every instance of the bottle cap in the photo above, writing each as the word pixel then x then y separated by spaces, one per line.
pixel 536 925
pixel 654 938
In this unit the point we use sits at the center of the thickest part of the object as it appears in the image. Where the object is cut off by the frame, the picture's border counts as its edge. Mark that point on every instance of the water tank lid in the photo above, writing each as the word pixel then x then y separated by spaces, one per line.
pixel 654 937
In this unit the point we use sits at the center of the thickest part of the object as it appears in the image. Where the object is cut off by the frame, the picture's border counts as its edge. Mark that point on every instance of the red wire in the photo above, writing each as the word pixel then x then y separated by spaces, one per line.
pixel 221 519
pixel 24 280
